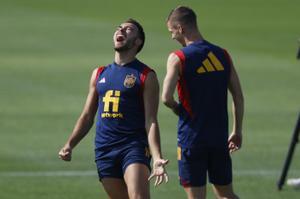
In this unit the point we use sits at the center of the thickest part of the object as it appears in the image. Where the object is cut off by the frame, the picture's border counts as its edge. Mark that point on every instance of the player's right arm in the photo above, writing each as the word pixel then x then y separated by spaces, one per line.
pixel 84 122
pixel 170 82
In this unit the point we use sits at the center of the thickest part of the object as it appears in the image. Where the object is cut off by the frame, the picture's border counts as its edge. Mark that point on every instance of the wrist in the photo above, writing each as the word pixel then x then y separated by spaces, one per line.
pixel 156 157
pixel 68 146
pixel 175 108
pixel 237 133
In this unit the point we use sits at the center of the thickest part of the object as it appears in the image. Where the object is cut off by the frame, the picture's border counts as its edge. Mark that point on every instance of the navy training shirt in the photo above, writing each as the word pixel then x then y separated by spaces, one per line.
pixel 202 91
pixel 121 116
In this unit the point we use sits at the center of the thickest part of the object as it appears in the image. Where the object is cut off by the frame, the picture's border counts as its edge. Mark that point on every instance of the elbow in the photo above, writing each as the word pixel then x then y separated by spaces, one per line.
pixel 87 119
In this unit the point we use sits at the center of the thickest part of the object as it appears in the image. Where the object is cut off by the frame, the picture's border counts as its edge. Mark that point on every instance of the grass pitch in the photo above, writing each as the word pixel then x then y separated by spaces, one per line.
pixel 48 50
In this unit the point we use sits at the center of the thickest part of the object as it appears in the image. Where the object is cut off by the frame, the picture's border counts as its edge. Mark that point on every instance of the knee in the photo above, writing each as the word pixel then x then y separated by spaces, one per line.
pixel 138 194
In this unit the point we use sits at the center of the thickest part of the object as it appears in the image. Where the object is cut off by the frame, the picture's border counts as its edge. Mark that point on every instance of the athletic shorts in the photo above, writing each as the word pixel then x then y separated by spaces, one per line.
pixel 194 164
pixel 113 162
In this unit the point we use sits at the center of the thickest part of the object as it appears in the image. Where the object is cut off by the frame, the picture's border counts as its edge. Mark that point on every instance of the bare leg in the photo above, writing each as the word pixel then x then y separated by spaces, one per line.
pixel 195 192
pixel 136 178
pixel 224 192
pixel 115 188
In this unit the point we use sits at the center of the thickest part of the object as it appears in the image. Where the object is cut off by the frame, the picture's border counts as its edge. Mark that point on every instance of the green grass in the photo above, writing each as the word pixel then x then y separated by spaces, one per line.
pixel 49 48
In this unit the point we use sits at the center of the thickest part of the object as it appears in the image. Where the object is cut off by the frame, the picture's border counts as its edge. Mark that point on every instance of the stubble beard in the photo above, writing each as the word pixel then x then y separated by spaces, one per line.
pixel 127 46
pixel 122 48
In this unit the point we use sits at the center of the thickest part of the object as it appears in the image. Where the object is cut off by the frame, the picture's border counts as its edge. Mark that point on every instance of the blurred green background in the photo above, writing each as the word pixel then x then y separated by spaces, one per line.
pixel 48 49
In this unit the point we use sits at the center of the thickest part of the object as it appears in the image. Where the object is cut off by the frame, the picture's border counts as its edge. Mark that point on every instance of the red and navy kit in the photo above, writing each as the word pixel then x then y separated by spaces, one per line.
pixel 202 90
pixel 121 136
pixel 203 117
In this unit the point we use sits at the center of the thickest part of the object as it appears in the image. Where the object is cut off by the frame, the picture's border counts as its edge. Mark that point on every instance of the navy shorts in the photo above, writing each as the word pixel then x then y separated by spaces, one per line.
pixel 194 164
pixel 113 162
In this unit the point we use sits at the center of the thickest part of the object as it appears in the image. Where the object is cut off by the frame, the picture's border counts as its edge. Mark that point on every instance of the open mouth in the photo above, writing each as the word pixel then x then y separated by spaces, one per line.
pixel 120 38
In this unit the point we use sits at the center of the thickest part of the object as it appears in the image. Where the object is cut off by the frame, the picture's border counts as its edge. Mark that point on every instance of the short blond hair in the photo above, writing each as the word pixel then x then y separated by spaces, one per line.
pixel 183 15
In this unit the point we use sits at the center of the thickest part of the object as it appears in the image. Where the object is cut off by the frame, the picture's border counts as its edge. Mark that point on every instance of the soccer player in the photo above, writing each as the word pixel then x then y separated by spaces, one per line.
pixel 126 95
pixel 203 72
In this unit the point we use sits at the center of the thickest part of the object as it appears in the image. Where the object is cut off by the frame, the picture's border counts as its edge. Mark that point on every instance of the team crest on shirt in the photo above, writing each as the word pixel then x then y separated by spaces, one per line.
pixel 129 81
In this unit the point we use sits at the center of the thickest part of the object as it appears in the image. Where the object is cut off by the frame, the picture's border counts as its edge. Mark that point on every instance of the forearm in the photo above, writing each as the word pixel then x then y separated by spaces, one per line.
pixel 238 114
pixel 154 140
pixel 82 127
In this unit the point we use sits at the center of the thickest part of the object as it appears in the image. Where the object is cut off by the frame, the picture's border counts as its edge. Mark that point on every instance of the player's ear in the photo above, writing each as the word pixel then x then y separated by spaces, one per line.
pixel 138 42
pixel 180 28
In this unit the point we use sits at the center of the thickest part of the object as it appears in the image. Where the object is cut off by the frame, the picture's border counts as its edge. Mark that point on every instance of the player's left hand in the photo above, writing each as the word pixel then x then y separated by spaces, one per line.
pixel 159 172
pixel 234 142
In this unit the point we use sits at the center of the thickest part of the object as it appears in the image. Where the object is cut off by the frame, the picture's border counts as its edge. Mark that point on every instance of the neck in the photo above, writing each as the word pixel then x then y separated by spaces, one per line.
pixel 122 58
pixel 192 37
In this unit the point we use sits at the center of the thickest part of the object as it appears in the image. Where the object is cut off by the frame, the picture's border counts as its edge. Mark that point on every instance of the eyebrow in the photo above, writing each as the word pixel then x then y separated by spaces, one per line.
pixel 127 26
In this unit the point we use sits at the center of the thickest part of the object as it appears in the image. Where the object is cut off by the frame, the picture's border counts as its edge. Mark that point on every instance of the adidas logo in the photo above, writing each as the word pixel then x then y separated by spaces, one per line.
pixel 210 64
pixel 102 80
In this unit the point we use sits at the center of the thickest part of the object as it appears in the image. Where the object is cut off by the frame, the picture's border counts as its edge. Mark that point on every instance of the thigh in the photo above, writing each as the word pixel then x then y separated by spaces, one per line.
pixel 136 178
pixel 192 165
pixel 219 166
pixel 115 188
pixel 136 168
pixel 135 154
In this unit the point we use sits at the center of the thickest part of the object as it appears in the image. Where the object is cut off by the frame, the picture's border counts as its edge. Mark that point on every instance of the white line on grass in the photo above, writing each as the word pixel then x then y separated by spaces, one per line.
pixel 254 173
pixel 48 173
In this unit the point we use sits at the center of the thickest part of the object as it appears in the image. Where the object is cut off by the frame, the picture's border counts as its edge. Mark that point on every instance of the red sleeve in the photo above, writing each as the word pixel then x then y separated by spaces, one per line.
pixel 183 92
pixel 99 71
pixel 143 76
pixel 181 56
